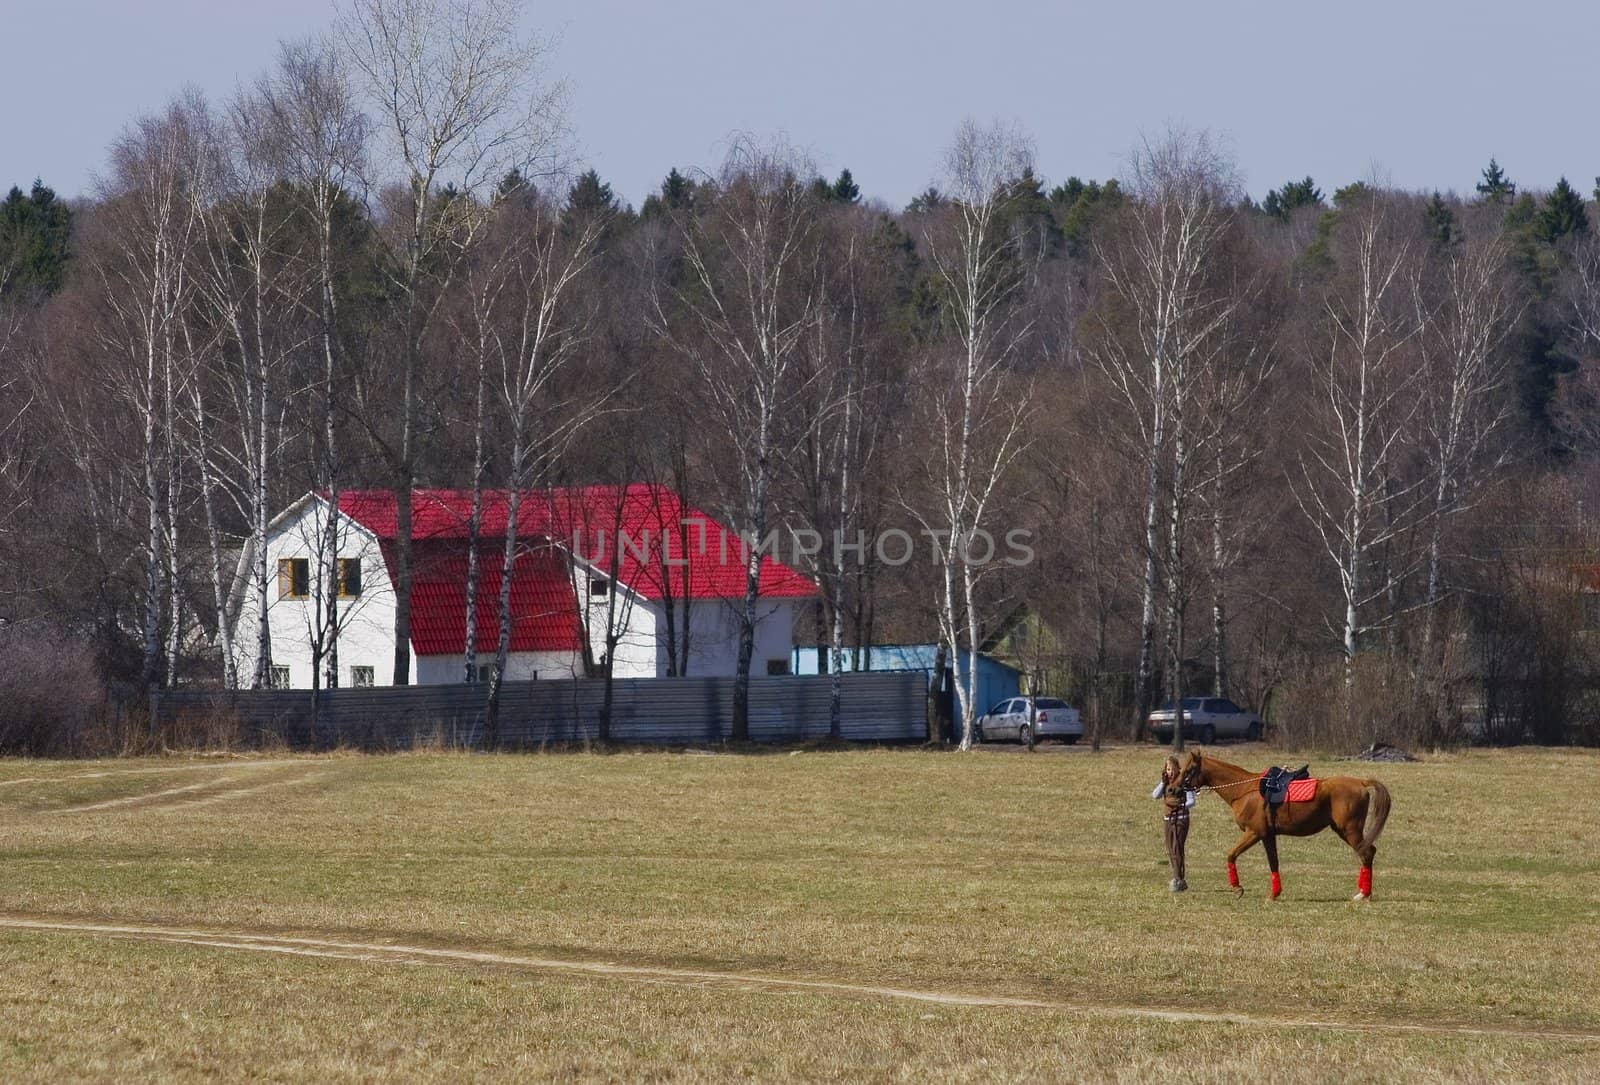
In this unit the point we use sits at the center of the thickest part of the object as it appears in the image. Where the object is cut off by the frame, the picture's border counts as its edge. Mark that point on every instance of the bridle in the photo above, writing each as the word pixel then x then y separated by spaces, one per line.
pixel 1194 770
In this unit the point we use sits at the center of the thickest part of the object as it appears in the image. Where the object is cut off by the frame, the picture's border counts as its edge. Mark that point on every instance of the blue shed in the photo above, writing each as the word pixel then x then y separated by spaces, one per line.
pixel 996 680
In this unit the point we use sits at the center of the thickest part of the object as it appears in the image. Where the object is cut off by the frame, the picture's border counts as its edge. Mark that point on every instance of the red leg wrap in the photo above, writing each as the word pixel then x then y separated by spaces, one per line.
pixel 1233 875
pixel 1277 884
pixel 1364 881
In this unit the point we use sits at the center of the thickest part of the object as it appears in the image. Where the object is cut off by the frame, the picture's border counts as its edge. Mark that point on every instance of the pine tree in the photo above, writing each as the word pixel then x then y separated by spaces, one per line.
pixel 930 200
pixel 1496 187
pixel 591 196
pixel 34 231
pixel 1441 222
pixel 1283 202
pixel 1562 214
pixel 1067 194
pixel 845 189
pixel 677 194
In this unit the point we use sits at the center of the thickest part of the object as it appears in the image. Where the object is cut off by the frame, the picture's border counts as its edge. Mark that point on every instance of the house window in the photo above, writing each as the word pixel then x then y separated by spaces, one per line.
pixel 598 586
pixel 362 677
pixel 777 666
pixel 349 578
pixel 294 578
pixel 280 677
pixel 483 672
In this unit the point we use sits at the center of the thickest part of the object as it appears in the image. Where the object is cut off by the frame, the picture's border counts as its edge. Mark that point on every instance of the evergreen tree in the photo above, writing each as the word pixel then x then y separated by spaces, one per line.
pixel 845 189
pixel 34 231
pixel 591 196
pixel 677 194
pixel 930 200
pixel 1283 202
pixel 1496 187
pixel 1441 222
pixel 1027 195
pixel 1351 194
pixel 1066 194
pixel 513 184
pixel 1092 200
pixel 1563 214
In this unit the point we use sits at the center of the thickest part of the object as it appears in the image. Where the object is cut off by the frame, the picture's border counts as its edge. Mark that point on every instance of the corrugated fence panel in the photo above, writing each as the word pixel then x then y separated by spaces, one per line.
pixel 878 706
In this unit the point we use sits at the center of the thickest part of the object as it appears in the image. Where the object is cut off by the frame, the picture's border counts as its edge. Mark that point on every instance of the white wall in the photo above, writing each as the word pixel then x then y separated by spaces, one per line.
pixel 714 636
pixel 520 666
pixel 366 637
pixel 366 624
pixel 633 616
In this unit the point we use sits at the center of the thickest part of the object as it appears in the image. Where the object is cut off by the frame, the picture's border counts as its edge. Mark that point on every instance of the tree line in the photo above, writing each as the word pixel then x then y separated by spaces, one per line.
pixel 1326 455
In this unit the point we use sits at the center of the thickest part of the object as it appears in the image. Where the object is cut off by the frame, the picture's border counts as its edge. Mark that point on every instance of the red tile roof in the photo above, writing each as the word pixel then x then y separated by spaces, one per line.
pixel 651 522
pixel 544 610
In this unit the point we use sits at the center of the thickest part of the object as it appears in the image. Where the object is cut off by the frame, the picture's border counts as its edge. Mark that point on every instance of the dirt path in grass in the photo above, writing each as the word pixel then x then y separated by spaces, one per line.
pixel 154 770
pixel 400 953
pixel 219 789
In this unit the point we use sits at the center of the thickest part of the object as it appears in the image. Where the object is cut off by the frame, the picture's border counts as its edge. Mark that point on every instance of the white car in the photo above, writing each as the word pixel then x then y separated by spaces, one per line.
pixel 1025 719
pixel 1207 719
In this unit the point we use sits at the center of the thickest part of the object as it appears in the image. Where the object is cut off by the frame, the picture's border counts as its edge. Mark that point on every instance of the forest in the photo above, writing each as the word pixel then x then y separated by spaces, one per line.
pixel 1329 452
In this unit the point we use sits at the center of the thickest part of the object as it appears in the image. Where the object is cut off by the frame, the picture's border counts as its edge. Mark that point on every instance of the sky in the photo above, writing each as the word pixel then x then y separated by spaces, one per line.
pixel 1418 92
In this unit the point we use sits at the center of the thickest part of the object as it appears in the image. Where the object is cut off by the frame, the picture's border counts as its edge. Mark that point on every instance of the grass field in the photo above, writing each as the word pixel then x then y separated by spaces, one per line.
pixel 817 916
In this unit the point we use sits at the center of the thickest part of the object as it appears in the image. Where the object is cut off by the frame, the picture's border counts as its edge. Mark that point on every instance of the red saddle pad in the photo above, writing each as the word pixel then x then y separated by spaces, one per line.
pixel 1302 790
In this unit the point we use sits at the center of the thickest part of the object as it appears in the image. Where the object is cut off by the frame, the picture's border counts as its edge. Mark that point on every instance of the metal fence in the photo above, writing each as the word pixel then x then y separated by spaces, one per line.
pixel 879 706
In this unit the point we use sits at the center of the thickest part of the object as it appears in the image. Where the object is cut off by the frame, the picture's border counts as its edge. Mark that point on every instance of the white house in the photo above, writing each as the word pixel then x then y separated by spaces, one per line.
pixel 587 561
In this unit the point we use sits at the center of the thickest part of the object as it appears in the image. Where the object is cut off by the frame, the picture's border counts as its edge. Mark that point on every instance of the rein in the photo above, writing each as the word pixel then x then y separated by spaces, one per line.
pixel 1235 783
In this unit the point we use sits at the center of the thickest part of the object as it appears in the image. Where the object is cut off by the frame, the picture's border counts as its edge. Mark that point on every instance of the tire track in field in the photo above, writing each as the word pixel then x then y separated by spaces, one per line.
pixel 400 953
pixel 201 794
pixel 150 771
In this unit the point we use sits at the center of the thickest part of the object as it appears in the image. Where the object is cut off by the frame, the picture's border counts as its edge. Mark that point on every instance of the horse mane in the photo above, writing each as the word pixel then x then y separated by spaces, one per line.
pixel 1201 759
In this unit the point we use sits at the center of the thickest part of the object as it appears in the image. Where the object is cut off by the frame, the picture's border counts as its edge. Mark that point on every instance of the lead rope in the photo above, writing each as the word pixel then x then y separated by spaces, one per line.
pixel 1235 783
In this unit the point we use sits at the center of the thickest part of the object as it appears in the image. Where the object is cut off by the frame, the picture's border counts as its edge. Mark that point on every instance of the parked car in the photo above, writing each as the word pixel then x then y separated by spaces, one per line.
pixel 1025 719
pixel 1208 719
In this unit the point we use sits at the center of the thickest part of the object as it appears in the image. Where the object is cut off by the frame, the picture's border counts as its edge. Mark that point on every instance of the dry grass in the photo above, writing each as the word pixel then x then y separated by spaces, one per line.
pixel 1033 876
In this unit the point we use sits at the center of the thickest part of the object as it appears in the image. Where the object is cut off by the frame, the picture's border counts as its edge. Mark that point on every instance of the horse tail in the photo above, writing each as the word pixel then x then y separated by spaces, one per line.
pixel 1377 811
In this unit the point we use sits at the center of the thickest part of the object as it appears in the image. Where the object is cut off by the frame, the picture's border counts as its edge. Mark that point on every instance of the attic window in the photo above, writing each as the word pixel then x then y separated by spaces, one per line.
pixel 349 578
pixel 294 578
pixel 598 586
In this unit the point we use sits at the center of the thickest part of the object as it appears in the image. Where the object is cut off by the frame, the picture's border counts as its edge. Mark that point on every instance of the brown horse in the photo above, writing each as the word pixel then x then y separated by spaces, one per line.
pixel 1355 809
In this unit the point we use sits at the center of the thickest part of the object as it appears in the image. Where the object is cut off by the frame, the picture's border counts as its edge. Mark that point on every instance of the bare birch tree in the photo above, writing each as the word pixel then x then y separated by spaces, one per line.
pixel 975 417
pixel 1464 409
pixel 540 334
pixel 1155 345
pixel 843 416
pixel 1361 407
pixel 252 290
pixel 307 110
pixel 751 296
pixel 151 232
pixel 462 99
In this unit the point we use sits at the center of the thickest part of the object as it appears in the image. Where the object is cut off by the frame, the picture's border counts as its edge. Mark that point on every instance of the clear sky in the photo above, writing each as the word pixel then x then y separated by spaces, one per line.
pixel 1424 90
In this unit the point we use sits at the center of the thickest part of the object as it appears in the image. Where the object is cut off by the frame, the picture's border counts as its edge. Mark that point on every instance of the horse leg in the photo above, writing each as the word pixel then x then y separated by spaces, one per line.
pixel 1270 842
pixel 1353 834
pixel 1246 842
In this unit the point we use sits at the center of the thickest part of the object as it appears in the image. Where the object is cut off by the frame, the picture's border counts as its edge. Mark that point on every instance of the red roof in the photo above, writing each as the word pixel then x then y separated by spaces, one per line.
pixel 544 611
pixel 662 540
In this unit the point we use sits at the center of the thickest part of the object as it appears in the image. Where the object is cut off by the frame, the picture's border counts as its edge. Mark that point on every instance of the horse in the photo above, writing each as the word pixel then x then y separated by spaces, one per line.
pixel 1356 809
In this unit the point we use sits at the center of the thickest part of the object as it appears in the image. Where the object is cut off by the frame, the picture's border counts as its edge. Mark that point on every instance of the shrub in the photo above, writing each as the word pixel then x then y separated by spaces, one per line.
pixel 51 691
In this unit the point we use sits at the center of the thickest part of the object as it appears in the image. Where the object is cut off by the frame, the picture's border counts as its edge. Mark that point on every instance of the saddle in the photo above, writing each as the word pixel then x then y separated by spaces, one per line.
pixel 1276 781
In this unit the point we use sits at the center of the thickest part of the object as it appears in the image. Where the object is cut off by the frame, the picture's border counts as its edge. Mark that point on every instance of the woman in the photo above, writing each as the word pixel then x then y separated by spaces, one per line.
pixel 1176 802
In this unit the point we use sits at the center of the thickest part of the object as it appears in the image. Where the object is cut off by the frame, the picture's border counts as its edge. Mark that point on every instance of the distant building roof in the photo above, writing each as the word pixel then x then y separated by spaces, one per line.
pixel 665 547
